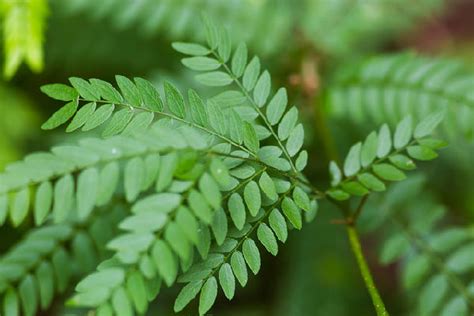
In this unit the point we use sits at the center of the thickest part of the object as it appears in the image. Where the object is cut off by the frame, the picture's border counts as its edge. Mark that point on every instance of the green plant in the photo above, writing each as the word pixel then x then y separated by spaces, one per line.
pixel 179 189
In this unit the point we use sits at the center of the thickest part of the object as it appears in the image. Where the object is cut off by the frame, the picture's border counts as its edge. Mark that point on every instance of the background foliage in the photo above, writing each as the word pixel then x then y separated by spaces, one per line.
pixel 352 65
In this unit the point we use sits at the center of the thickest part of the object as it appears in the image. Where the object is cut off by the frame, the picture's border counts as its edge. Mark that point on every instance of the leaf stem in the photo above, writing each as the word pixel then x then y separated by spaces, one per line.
pixel 364 270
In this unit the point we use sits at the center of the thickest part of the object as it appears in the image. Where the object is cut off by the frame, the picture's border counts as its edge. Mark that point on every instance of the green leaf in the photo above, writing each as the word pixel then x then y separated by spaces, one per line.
pixel 208 295
pixel 262 89
pixel 84 251
pixel 144 222
pixel 164 261
pixel 415 270
pixel 371 182
pixel 448 239
pixel 133 178
pixel 139 123
pixel 136 290
pixel 118 122
pixel 175 237
pixel 101 115
pixel 214 79
pixel 277 106
pixel 168 166
pixel 157 203
pixel 352 161
pixel 204 241
pixel 268 240
pixel 188 224
pixel 385 142
pixel 62 270
pixel 402 162
pixel 335 172
pixel 432 143
pixel 278 224
pixel 43 202
pixel 292 212
pixel 187 294
pixel 394 248
pixel 267 186
pixel 432 295
pixel 108 180
pixel 200 207
pixel 219 226
pixel 388 172
pixel 229 98
pixel 421 153
pixel 250 137
pixel 251 74
pixel 301 199
pixel 63 198
pixel 224 45
pixel 147 267
pixel 251 255
pixel 239 60
pixel 150 96
pixel 198 109
pixel 87 187
pixel 237 210
pixel 81 116
pixel 252 197
pixel 10 303
pixel 354 188
pixel 287 123
pixel 107 91
pixel 201 63
pixel 29 300
pixel 61 116
pixel 85 89
pixel 427 125
pixel 210 190
pixel 59 91
pixel 104 310
pixel 174 100
pixel 121 303
pixel 227 280
pixel 45 277
pixel 456 306
pixel 462 260
pixel 152 168
pixel 295 140
pixel 302 160
pixel 403 133
pixel 212 31
pixel 220 173
pixel 190 49
pixel 129 90
pixel 369 150
pixel 238 266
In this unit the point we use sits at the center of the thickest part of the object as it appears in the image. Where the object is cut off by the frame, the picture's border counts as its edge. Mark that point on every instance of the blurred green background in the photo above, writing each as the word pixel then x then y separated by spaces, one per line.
pixel 303 43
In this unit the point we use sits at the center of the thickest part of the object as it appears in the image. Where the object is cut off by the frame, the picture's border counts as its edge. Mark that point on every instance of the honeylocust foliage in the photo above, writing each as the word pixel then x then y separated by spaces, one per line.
pixel 385 157
pixel 387 88
pixel 437 260
pixel 178 189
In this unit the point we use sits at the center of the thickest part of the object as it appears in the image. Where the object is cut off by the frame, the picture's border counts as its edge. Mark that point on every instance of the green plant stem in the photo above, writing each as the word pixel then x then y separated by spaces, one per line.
pixel 364 270
pixel 332 154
